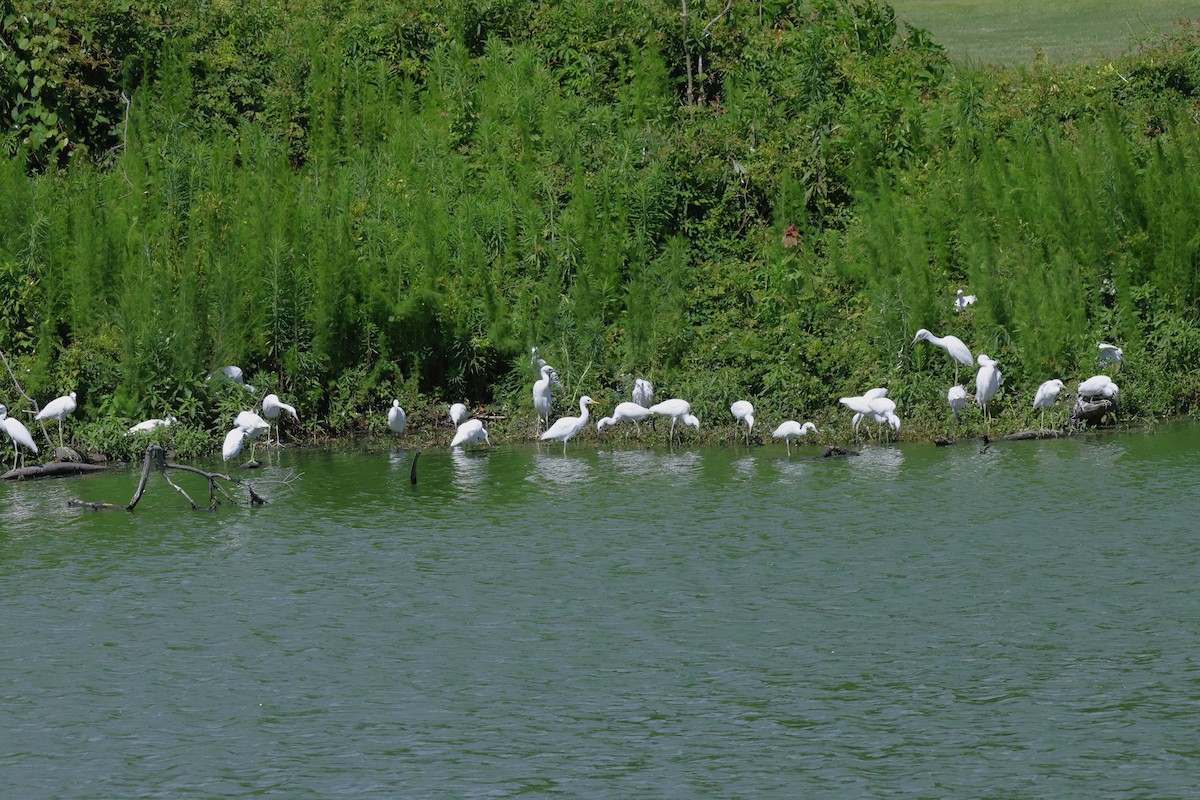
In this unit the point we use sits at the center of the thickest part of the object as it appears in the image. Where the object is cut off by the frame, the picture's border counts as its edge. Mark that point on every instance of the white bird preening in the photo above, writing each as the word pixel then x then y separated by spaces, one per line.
pixel 743 411
pixel 566 427
pixel 251 426
pixel 1111 354
pixel 625 412
pixel 470 432
pixel 59 408
pixel 957 398
pixel 18 434
pixel 542 396
pixel 397 419
pixel 458 414
pixel 272 407
pixel 1046 395
pixel 987 383
pixel 643 392
pixel 791 430
pixel 961 301
pixel 679 411
pixel 151 425
pixel 1098 387
pixel 953 346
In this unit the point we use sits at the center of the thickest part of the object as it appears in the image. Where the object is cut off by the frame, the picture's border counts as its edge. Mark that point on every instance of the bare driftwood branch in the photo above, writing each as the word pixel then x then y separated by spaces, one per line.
pixel 55 469
pixel 156 457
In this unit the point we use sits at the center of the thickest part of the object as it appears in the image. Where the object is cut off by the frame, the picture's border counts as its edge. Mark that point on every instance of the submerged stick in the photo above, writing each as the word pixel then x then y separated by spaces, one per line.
pixel 412 472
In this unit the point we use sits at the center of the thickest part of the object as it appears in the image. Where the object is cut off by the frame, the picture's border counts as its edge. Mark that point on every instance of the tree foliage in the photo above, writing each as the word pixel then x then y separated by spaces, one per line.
pixel 356 201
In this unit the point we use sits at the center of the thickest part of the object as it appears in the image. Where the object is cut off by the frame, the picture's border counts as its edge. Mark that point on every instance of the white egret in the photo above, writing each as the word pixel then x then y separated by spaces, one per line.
pixel 790 430
pixel 957 398
pixel 987 383
pixel 1097 387
pixel 150 425
pixel 468 432
pixel 59 408
pixel 232 444
pixel 535 361
pixel 1111 354
pixel 961 301
pixel 542 395
pixel 18 434
pixel 231 374
pixel 272 407
pixel 625 412
pixel 743 411
pixel 861 406
pixel 643 392
pixel 953 346
pixel 566 427
pixel 690 419
pixel 253 426
pixel 397 419
pixel 676 409
pixel 1046 395
pixel 883 410
pixel 458 414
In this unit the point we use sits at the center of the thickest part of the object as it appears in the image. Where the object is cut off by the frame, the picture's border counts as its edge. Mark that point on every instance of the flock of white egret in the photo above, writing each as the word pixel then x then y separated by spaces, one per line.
pixel 872 406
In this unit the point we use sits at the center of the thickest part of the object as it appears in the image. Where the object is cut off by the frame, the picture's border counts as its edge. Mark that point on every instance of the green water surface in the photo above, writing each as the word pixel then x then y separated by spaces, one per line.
pixel 733 623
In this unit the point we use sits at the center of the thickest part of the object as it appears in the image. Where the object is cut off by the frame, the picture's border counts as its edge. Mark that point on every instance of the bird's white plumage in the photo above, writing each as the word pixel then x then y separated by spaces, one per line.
pixel 468 432
pixel 152 424
pixel 543 395
pixel 59 408
pixel 251 424
pixel 1047 393
pixel 954 347
pixel 1098 386
pixel 624 412
pixel 272 407
pixel 957 398
pixel 458 413
pixel 232 444
pixel 643 392
pixel 961 300
pixel 987 381
pixel 743 411
pixel 566 427
pixel 397 419
pixel 231 374
pixel 18 434
pixel 678 410
pixel 792 430
pixel 1111 354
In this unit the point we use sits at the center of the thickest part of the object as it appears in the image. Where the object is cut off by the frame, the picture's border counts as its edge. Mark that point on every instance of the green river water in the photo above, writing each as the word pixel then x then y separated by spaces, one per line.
pixel 719 622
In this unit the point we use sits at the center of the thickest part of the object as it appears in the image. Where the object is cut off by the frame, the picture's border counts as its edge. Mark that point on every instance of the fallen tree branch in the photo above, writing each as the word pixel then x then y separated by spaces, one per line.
pixel 156 457
pixel 55 469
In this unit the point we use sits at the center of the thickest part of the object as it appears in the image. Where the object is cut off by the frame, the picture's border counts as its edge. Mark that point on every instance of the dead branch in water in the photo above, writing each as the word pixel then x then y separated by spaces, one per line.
pixel 156 457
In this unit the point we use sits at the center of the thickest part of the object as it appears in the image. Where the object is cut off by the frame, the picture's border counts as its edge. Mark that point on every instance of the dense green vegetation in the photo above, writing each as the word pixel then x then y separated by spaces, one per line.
pixel 359 201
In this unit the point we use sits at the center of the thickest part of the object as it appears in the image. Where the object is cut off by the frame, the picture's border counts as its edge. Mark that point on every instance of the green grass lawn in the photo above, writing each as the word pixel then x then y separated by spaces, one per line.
pixel 1012 31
